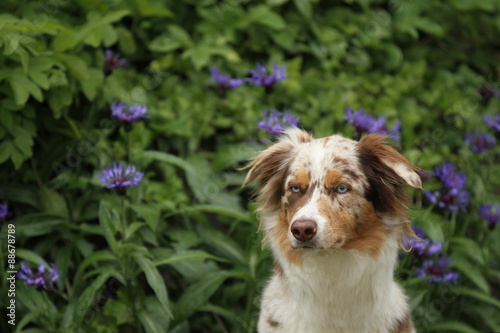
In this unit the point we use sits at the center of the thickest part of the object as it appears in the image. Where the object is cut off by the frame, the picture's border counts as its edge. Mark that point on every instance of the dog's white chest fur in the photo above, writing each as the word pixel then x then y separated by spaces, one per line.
pixel 334 291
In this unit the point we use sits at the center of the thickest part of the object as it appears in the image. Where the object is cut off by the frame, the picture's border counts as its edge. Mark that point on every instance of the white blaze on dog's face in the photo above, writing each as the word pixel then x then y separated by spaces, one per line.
pixel 331 192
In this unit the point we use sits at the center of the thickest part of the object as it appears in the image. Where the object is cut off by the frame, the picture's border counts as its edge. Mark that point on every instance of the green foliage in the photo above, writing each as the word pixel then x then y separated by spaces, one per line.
pixel 182 252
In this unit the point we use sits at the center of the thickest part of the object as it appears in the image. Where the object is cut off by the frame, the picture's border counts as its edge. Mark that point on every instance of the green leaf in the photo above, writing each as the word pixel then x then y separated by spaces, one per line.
pixel 471 272
pixel 109 220
pixel 22 87
pixel 451 326
pixel 76 66
pixel 149 212
pixel 197 295
pixel 153 317
pixel 166 158
pixel 65 40
pixel 154 279
pixel 37 224
pixel 265 16
pixel 235 212
pixel 91 86
pixel 29 256
pixel 5 149
pixel 53 203
pixel 478 295
pixel 304 7
pixel 183 256
pixel 93 259
pixel 469 248
pixel 88 298
pixel 59 98
pixel 27 318
pixel 131 229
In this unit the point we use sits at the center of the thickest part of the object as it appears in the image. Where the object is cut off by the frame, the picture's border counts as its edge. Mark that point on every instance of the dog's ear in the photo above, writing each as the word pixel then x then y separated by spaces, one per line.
pixel 388 172
pixel 270 167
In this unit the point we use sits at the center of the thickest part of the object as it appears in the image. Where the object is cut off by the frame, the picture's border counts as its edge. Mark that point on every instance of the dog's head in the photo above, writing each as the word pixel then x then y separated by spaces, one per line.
pixel 333 193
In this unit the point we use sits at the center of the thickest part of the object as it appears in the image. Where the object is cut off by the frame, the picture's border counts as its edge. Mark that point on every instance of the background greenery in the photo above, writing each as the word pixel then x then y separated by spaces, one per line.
pixel 191 259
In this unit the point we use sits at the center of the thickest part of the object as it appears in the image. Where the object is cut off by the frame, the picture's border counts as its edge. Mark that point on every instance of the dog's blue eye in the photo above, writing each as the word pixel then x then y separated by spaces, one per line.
pixel 342 189
pixel 295 189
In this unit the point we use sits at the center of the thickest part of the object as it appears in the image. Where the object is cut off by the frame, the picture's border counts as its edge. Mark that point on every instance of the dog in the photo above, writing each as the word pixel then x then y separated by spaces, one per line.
pixel 334 212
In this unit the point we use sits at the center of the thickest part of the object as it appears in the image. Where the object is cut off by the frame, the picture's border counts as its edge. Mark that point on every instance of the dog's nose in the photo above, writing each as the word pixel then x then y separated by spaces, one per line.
pixel 304 230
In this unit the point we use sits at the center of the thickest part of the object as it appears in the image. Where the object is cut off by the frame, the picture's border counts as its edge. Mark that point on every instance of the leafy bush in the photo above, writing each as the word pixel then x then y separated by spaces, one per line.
pixel 180 251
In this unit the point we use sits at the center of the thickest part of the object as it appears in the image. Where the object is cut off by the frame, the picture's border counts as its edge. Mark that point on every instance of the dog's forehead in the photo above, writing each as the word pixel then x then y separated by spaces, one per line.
pixel 321 155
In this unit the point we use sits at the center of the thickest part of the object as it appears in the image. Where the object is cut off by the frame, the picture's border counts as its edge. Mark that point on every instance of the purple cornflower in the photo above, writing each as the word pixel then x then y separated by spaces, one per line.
pixel 260 76
pixel 424 248
pixel 479 141
pixel 491 214
pixel 4 211
pixel 128 114
pixel 366 123
pixel 492 122
pixel 113 61
pixel 43 278
pixel 451 196
pixel 119 177
pixel 225 82
pixel 449 176
pixel 275 122
pixel 450 199
pixel 437 271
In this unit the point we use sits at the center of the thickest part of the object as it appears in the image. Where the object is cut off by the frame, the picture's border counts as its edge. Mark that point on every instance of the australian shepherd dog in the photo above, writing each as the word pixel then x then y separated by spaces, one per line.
pixel 334 212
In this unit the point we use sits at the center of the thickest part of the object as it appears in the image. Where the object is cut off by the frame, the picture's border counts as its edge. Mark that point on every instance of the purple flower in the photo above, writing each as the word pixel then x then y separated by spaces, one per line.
pixel 437 271
pixel 4 211
pixel 479 141
pixel 366 123
pixel 113 61
pixel 449 176
pixel 424 248
pixel 275 122
pixel 128 113
pixel 492 122
pixel 450 199
pixel 260 76
pixel 225 82
pixel 491 214
pixel 43 278
pixel 119 177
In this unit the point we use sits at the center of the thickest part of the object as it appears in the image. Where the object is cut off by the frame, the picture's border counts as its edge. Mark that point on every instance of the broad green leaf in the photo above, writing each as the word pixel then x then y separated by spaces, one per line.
pixel 469 248
pixel 172 258
pixel 89 297
pixel 5 149
pixel 59 98
pixel 110 223
pixel 92 86
pixel 26 319
pixel 165 157
pixel 231 212
pixel 478 295
pixel 264 15
pixel 150 213
pixel 22 87
pixel 451 326
pixel 53 203
pixel 37 224
pixel 76 66
pixel 65 40
pixel 93 259
pixel 198 294
pixel 471 272
pixel 304 7
pixel 154 279
pixel 153 317
pixel 131 229
pixel 30 256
